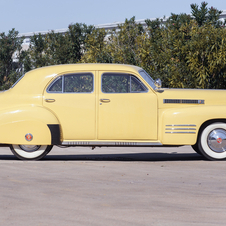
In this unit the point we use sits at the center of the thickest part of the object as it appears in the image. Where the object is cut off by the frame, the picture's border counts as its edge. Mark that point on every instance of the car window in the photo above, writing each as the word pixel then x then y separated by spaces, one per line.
pixel 56 86
pixel 78 83
pixel 121 83
pixel 72 83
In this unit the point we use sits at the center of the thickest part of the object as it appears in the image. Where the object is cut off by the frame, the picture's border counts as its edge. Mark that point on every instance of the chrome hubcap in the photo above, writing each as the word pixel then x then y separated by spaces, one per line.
pixel 29 148
pixel 217 140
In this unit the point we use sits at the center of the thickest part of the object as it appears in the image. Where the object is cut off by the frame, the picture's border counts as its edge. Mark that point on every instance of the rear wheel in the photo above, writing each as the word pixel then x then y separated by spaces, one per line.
pixel 30 152
pixel 212 141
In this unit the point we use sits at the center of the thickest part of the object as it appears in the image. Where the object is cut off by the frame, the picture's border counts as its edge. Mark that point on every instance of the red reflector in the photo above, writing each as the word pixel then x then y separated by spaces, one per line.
pixel 219 140
pixel 28 137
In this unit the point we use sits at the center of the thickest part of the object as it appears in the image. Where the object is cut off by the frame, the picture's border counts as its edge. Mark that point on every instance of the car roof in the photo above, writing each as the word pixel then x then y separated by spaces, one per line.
pixel 92 66
pixel 35 80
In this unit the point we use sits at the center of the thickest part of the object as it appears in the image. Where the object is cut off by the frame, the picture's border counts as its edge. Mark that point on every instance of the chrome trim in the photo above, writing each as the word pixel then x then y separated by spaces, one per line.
pixel 147 78
pixel 180 129
pixel 217 140
pixel 118 73
pixel 182 125
pixel 29 148
pixel 105 100
pixel 158 83
pixel 106 143
pixel 49 100
pixel 55 79
pixel 182 132
pixel 183 101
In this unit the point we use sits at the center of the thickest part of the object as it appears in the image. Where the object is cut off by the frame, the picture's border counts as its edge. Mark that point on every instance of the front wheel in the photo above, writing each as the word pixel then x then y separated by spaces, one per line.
pixel 30 152
pixel 212 141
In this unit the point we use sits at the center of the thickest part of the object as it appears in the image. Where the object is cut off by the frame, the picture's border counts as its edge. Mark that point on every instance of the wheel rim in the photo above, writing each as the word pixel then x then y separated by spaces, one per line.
pixel 217 140
pixel 29 148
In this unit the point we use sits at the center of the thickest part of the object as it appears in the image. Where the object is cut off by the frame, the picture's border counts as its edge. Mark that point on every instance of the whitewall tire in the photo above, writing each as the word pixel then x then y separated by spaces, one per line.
pixel 30 152
pixel 212 141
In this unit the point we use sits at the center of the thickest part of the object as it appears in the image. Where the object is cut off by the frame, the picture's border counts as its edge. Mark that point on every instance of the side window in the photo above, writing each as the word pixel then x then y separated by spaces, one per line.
pixel 121 83
pixel 115 83
pixel 78 83
pixel 72 83
pixel 56 86
pixel 136 85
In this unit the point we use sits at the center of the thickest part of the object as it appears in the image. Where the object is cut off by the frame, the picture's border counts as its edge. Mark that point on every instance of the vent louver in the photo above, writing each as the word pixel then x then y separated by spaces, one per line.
pixel 182 101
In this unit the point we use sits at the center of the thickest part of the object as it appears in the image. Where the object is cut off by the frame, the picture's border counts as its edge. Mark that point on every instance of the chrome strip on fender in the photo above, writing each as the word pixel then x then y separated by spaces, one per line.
pixel 180 129
pixel 182 125
pixel 181 132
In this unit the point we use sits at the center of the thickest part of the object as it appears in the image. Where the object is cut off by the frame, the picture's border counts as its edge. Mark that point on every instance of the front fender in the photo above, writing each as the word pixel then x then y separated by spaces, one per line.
pixel 36 120
pixel 180 126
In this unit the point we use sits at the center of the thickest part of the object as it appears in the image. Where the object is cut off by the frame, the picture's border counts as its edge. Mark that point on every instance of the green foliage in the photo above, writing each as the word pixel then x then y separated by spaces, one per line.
pixel 207 56
pixel 204 15
pixel 57 48
pixel 96 48
pixel 184 51
pixel 9 70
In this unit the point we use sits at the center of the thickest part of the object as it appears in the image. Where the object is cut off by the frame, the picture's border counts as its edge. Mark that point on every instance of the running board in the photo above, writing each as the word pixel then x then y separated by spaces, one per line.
pixel 106 143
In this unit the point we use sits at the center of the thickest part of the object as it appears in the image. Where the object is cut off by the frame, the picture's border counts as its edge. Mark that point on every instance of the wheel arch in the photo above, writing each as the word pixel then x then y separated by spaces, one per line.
pixel 207 123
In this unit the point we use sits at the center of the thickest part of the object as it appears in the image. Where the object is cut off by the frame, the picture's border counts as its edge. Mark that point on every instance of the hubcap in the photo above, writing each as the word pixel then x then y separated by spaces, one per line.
pixel 29 148
pixel 217 140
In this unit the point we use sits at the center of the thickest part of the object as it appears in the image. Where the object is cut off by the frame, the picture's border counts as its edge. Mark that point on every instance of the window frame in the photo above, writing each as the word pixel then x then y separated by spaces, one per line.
pixel 63 77
pixel 147 78
pixel 146 90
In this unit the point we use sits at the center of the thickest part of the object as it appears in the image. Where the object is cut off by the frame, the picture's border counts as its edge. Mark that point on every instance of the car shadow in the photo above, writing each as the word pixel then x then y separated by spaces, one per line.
pixel 150 157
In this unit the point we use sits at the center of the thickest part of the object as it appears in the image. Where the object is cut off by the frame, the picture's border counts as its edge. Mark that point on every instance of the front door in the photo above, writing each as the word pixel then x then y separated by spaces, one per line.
pixel 127 108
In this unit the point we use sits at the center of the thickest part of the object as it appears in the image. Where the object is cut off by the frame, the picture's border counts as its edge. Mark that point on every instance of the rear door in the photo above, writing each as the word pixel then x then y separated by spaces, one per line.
pixel 71 97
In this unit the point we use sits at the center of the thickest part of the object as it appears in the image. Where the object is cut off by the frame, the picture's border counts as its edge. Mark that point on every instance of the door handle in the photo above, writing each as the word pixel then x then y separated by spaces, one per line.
pixel 49 100
pixel 105 100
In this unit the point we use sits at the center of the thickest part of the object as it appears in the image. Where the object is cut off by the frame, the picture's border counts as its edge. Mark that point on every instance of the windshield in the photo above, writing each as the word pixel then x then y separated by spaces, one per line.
pixel 147 78
pixel 17 81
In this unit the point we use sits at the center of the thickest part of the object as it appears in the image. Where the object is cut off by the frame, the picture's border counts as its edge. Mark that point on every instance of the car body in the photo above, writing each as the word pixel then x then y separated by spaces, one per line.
pixel 108 105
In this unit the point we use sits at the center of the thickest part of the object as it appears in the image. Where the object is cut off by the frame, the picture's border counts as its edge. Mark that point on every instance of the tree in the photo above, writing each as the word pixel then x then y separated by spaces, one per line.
pixel 9 70
pixel 184 51
pixel 203 15
pixel 96 48
pixel 57 48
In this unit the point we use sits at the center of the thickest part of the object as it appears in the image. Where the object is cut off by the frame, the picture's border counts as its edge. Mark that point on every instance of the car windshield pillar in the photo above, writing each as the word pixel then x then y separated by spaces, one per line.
pixel 147 78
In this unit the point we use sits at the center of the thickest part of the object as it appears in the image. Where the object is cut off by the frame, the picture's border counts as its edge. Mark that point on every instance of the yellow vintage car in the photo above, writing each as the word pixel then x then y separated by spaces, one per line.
pixel 108 105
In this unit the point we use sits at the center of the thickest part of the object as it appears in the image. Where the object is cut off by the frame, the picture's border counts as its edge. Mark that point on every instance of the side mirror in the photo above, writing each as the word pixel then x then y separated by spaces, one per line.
pixel 158 83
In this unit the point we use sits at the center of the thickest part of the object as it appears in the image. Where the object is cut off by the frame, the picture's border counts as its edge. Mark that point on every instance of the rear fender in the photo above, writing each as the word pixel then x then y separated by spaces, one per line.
pixel 35 120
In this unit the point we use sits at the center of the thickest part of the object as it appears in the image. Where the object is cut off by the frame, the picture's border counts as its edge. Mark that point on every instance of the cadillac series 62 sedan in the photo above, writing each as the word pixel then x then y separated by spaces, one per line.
pixel 108 105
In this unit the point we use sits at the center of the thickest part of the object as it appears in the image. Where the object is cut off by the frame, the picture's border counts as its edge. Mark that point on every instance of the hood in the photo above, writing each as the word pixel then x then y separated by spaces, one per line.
pixel 170 97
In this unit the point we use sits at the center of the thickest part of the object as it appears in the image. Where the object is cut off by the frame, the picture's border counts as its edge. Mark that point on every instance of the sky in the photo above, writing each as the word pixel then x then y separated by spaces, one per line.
pixel 43 15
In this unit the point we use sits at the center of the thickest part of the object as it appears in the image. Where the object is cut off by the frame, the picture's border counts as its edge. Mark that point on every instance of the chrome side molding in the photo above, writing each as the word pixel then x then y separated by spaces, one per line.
pixel 181 129
pixel 106 143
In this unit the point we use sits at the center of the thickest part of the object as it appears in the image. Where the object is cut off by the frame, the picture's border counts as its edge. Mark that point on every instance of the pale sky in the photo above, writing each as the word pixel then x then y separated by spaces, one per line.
pixel 42 15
